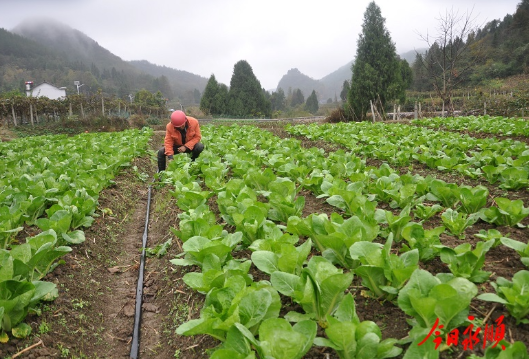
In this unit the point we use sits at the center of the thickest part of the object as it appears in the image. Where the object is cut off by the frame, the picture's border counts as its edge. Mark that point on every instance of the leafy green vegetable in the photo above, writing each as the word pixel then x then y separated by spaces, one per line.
pixel 426 212
pixel 520 247
pixel 198 249
pixel 473 199
pixel 286 258
pixel 426 298
pixel 319 289
pixel 514 295
pixel 507 213
pixel 458 222
pixel 516 350
pixel 214 275
pixel 514 178
pixel 423 240
pixel 465 262
pixel 351 338
pixel 234 303
pixel 334 236
pixel 382 272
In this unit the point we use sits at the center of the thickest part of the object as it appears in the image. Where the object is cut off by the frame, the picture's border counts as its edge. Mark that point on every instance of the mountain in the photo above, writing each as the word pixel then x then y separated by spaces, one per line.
pixel 183 83
pixel 331 85
pixel 334 81
pixel 72 44
pixel 46 50
pixel 294 79
pixel 410 55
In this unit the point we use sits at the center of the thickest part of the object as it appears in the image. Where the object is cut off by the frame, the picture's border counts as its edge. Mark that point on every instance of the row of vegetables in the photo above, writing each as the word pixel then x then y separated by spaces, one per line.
pixel 50 185
pixel 480 124
pixel 501 162
pixel 256 179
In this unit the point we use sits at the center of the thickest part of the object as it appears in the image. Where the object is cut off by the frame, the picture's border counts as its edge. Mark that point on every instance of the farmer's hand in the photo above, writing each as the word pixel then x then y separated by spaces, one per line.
pixel 182 149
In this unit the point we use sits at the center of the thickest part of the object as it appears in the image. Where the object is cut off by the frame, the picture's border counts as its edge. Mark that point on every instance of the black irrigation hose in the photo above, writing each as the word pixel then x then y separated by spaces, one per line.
pixel 135 347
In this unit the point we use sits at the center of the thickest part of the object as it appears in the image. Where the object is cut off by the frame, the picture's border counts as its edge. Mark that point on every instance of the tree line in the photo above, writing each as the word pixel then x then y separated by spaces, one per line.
pixel 459 56
pixel 245 98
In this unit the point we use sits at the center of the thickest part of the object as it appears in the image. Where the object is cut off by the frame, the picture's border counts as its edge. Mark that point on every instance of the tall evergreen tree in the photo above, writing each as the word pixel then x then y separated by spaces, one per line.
pixel 345 90
pixel 376 74
pixel 245 97
pixel 278 100
pixel 220 100
pixel 297 98
pixel 207 100
pixel 312 103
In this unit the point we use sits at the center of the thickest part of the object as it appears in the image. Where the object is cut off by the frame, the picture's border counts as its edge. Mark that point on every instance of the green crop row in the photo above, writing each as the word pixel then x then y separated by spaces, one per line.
pixel 505 162
pixel 262 165
pixel 53 183
pixel 485 124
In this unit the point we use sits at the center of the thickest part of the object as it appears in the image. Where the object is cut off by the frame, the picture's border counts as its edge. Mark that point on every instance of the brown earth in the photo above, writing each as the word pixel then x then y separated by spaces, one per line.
pixel 94 314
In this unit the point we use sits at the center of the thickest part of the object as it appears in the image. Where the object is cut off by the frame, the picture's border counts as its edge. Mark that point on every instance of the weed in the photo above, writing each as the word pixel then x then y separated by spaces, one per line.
pixel 44 327
pixel 79 303
pixel 64 351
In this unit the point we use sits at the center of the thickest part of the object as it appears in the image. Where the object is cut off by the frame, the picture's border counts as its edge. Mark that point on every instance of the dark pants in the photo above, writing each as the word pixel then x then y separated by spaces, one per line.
pixel 195 152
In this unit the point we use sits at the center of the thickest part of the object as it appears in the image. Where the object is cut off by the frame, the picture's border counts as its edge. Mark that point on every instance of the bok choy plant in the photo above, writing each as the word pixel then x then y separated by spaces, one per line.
pixel 383 272
pixel 514 295
pixel 319 289
pixel 507 212
pixel 428 298
pixel 466 262
pixel 351 338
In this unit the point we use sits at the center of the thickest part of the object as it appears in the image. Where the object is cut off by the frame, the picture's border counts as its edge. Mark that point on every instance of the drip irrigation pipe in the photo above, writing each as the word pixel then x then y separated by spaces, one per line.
pixel 135 347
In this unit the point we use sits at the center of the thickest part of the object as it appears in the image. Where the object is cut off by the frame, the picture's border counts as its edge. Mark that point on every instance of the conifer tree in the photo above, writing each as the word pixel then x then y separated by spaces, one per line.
pixel 208 98
pixel 297 98
pixel 245 96
pixel 312 103
pixel 376 73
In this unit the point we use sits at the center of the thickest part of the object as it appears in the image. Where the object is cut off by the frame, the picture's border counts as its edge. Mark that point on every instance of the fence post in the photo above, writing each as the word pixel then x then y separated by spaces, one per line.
pixel 484 108
pixel 31 114
pixel 14 115
pixel 372 110
pixel 415 110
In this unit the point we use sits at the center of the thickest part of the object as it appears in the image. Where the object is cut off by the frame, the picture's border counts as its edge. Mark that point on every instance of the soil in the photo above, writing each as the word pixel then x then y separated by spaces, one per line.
pixel 94 314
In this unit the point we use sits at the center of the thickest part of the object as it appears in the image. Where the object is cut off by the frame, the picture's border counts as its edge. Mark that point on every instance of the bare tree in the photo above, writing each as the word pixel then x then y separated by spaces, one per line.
pixel 452 54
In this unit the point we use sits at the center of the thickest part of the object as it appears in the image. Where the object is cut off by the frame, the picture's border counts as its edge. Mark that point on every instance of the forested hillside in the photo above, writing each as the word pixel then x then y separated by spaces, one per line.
pixel 498 50
pixel 49 51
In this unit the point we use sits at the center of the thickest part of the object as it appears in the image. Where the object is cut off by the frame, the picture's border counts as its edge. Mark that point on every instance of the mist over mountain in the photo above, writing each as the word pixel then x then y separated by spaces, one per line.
pixel 45 50
pixel 72 44
pixel 184 83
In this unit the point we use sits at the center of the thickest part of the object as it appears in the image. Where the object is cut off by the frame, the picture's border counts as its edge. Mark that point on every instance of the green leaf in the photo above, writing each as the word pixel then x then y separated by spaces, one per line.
pixel 286 283
pixel 21 331
pixel 265 261
pixel 254 306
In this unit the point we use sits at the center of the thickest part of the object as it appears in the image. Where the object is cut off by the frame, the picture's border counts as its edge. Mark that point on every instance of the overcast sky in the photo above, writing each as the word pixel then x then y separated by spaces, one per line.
pixel 207 37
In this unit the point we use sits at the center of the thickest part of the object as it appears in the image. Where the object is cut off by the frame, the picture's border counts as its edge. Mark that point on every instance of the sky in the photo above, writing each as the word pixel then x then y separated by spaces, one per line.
pixel 208 37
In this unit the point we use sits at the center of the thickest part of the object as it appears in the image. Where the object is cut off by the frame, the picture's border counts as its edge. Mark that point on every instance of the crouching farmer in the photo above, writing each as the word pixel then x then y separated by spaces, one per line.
pixel 182 135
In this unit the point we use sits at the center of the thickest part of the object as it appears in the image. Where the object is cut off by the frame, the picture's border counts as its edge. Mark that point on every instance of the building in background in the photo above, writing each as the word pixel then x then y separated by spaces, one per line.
pixel 45 90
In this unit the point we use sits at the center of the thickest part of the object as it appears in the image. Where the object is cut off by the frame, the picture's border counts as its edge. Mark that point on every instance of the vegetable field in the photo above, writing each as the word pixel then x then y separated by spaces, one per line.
pixel 350 240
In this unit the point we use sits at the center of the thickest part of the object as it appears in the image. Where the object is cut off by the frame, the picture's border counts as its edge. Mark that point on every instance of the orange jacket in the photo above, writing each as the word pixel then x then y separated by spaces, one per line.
pixel 173 137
